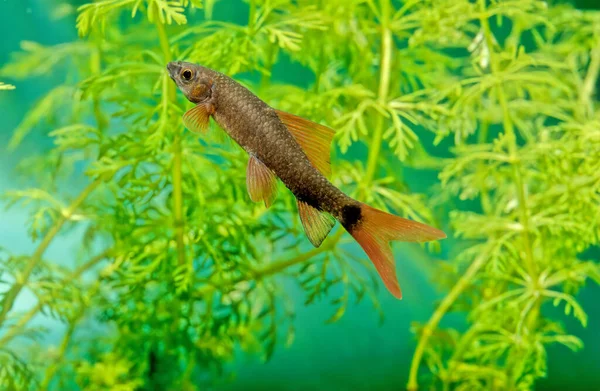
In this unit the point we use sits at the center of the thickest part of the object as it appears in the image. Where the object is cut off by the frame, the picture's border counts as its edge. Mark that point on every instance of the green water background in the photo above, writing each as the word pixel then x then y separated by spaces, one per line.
pixel 353 354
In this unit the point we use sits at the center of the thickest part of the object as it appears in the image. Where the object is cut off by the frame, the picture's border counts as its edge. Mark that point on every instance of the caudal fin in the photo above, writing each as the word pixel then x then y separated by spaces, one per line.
pixel 374 229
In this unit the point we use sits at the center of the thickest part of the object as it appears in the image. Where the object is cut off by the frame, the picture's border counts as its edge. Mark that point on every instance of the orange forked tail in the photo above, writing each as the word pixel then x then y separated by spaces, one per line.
pixel 375 229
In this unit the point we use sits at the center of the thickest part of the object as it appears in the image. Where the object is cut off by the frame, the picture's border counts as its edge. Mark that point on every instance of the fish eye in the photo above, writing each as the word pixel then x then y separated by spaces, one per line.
pixel 186 74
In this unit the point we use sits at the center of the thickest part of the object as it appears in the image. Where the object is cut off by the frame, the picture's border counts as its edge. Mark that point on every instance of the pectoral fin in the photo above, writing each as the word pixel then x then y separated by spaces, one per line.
pixel 197 118
pixel 314 139
pixel 261 182
pixel 317 224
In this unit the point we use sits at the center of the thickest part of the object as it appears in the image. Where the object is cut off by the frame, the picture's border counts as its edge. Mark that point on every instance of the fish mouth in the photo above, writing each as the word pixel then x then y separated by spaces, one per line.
pixel 173 67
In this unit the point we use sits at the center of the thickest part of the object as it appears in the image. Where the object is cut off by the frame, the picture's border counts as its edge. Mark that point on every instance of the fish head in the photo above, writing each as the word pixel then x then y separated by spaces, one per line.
pixel 192 79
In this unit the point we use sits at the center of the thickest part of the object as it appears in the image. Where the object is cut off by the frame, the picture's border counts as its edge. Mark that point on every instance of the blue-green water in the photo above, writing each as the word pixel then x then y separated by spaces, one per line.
pixel 353 354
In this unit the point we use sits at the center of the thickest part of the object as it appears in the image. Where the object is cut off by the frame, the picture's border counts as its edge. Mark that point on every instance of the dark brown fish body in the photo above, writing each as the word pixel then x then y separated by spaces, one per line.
pixel 257 128
pixel 296 151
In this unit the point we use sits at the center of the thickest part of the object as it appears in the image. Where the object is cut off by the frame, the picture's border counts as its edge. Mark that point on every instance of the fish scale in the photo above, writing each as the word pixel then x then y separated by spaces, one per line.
pixel 256 127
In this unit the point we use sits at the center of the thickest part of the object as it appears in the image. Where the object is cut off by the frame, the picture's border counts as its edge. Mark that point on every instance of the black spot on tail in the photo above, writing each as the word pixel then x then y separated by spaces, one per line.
pixel 351 215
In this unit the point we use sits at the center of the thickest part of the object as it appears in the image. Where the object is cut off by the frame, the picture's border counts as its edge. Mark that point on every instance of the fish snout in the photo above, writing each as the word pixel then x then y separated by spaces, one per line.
pixel 173 67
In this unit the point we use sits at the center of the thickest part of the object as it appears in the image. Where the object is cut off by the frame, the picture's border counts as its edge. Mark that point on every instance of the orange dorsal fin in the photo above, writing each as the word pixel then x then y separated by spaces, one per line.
pixel 197 118
pixel 314 139
pixel 261 182
pixel 316 223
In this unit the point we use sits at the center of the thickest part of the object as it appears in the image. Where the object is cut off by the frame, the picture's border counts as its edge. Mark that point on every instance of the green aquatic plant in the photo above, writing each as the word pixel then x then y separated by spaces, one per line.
pixel 4 86
pixel 181 268
pixel 532 168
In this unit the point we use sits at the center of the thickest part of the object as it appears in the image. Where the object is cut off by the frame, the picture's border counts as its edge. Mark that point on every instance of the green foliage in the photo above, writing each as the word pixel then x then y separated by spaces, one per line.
pixel 4 86
pixel 532 167
pixel 191 270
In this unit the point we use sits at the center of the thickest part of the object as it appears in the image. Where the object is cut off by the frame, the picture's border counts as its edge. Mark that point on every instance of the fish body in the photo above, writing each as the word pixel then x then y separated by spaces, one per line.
pixel 296 151
pixel 257 128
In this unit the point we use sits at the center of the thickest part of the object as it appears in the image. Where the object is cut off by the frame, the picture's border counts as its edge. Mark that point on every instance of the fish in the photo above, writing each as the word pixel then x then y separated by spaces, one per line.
pixel 296 151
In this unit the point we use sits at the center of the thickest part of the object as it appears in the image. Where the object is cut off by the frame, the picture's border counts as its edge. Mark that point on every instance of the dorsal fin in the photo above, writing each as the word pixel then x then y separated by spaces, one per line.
pixel 315 139
pixel 197 118
pixel 261 182
pixel 316 223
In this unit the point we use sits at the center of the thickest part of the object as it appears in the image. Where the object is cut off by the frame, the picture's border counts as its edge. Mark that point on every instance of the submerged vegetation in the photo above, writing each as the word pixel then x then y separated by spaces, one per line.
pixel 4 86
pixel 179 267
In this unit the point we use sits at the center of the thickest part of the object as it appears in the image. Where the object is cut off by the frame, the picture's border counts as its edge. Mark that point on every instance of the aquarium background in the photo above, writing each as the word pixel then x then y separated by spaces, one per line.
pixel 354 352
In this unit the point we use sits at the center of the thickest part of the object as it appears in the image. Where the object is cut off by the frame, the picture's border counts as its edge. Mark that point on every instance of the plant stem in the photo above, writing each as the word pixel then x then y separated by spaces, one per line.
pixel 513 149
pixel 53 367
pixel 22 279
pixel 382 95
pixel 178 218
pixel 319 72
pixel 321 60
pixel 15 329
pixel 95 67
pixel 252 17
pixel 271 57
pixel 275 267
pixel 56 364
pixel 486 206
pixel 519 184
pixel 437 316
pixel 589 84
pixel 512 146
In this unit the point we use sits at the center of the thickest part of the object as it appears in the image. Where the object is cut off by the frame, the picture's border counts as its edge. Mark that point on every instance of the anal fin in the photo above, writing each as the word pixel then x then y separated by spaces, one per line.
pixel 317 224
pixel 261 182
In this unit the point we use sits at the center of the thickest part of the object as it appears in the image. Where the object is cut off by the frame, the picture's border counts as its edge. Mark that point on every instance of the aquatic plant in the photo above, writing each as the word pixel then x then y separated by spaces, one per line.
pixel 4 86
pixel 181 268
pixel 532 169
